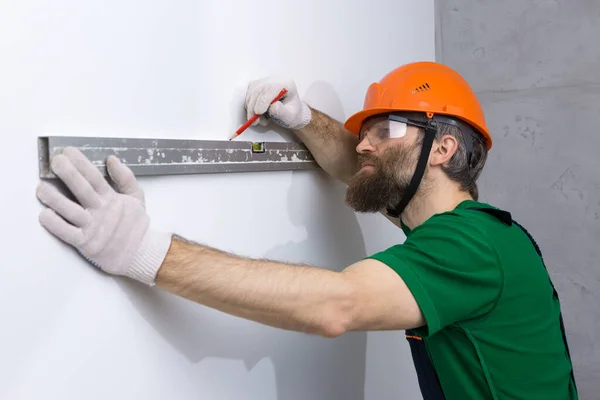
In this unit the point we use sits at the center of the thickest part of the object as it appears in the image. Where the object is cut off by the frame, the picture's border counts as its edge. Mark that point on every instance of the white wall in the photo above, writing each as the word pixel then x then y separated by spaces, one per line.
pixel 179 69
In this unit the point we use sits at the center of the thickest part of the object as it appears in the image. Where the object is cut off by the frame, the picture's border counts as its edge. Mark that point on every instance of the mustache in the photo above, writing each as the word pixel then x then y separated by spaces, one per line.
pixel 363 158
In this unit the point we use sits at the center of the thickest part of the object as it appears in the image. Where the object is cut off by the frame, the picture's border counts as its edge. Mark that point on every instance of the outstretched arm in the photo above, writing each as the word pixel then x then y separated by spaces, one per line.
pixel 112 230
pixel 365 296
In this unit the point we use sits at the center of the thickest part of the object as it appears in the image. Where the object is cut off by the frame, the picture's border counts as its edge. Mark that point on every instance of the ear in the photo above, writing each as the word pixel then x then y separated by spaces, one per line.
pixel 443 150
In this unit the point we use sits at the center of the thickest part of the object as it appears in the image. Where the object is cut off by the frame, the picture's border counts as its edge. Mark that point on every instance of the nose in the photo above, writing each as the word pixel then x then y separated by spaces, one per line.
pixel 365 146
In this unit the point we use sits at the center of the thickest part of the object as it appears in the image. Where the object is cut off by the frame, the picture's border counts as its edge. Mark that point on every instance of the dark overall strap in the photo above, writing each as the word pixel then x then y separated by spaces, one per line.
pixel 429 382
pixel 506 217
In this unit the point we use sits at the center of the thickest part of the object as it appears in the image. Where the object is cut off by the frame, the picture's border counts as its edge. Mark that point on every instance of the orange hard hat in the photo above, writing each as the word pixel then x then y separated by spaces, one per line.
pixel 427 87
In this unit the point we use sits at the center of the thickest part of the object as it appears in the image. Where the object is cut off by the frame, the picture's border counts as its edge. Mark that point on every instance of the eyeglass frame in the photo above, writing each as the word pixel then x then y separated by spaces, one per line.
pixel 467 132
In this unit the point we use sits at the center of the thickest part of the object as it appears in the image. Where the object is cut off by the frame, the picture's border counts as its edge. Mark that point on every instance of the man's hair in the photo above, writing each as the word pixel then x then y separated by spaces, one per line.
pixel 458 168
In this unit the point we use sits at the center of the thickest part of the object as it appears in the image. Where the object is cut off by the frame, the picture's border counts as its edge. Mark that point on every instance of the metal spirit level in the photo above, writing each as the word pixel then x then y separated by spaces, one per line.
pixel 175 156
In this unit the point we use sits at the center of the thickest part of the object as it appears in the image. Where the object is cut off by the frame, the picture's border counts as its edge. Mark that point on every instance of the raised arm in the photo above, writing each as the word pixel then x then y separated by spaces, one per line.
pixel 333 147
pixel 331 144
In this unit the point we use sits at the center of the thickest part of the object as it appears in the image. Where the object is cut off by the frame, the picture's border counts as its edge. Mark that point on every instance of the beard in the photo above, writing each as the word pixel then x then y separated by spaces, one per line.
pixel 385 184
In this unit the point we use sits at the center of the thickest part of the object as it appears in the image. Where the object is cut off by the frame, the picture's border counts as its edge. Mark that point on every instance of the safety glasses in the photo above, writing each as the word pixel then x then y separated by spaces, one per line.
pixel 380 129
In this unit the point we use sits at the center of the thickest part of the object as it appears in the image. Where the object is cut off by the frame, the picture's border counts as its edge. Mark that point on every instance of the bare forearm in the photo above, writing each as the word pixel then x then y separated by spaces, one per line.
pixel 333 147
pixel 298 298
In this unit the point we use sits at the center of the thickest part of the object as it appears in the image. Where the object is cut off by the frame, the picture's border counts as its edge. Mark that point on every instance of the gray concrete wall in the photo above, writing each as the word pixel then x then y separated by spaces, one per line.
pixel 535 65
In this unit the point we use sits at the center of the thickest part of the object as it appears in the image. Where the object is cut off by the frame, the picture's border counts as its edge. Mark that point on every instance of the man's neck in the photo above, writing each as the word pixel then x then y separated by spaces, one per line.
pixel 433 201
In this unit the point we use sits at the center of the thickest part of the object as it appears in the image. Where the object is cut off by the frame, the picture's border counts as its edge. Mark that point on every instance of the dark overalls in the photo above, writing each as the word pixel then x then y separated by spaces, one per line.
pixel 429 382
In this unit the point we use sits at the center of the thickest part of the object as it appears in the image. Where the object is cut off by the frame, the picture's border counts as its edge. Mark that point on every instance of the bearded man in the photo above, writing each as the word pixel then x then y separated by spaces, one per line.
pixel 468 285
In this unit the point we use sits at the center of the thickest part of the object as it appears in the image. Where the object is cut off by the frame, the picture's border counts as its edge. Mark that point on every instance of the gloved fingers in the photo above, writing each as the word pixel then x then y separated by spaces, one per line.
pixel 292 90
pixel 250 105
pixel 265 98
pixel 69 210
pixel 263 120
pixel 60 228
pixel 282 113
pixel 84 192
pixel 88 170
pixel 260 94
pixel 124 178
pixel 251 90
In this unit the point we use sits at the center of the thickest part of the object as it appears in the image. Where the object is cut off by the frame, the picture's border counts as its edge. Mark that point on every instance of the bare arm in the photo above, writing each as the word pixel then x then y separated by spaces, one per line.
pixel 331 144
pixel 334 148
pixel 110 227
pixel 367 295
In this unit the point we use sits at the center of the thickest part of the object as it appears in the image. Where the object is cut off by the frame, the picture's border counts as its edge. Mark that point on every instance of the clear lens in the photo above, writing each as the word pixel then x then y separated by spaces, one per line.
pixel 381 129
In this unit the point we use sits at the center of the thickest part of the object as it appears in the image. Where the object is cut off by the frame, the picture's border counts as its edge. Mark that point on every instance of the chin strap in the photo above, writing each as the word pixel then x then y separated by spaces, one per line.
pixel 430 132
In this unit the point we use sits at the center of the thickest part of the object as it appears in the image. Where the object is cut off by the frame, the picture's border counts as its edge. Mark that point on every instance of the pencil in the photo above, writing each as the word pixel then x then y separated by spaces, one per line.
pixel 256 116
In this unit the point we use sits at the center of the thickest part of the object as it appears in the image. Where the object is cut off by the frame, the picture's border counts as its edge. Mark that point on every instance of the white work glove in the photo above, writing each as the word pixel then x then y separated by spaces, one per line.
pixel 290 112
pixel 110 229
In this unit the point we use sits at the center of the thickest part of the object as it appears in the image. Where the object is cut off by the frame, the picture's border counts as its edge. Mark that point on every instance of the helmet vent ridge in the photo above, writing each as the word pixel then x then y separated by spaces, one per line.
pixel 423 88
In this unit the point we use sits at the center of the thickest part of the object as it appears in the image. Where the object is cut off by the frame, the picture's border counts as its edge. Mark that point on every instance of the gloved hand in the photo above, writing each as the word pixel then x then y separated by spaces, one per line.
pixel 110 229
pixel 291 112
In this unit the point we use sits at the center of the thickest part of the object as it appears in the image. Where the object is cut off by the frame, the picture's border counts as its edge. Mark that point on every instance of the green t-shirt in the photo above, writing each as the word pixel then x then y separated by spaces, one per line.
pixel 492 323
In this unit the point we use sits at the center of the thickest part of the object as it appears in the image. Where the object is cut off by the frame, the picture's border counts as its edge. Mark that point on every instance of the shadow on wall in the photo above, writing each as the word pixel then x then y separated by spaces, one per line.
pixel 325 368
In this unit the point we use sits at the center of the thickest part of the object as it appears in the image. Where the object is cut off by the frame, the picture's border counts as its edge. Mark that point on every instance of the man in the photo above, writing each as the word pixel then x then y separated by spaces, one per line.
pixel 468 284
